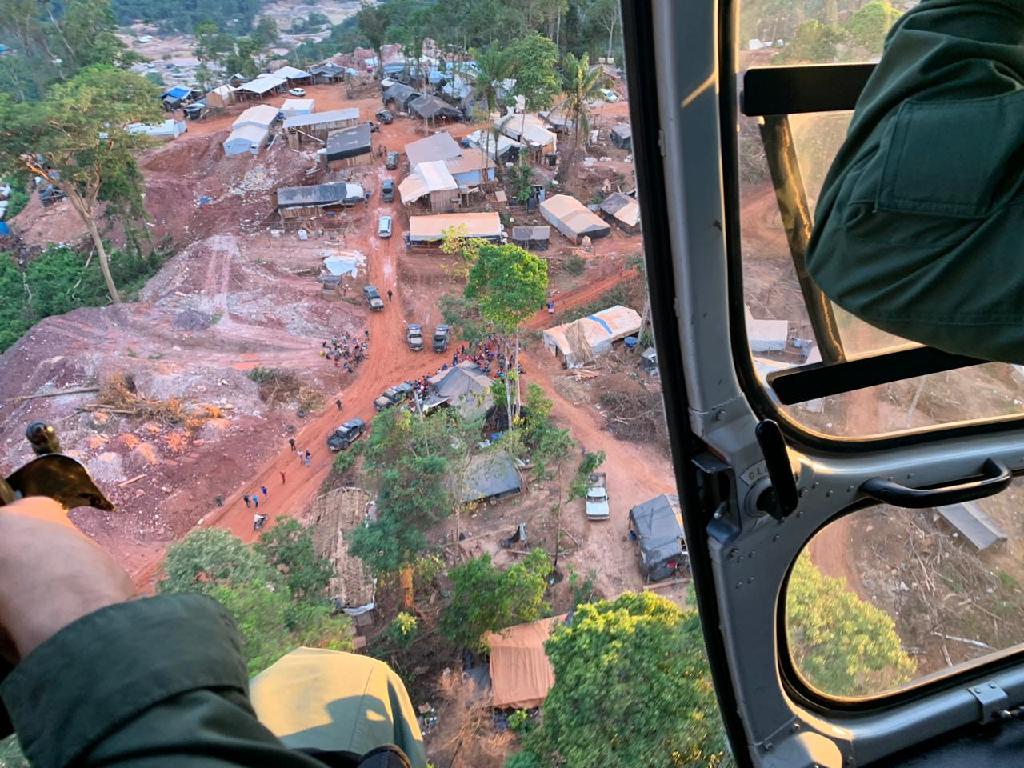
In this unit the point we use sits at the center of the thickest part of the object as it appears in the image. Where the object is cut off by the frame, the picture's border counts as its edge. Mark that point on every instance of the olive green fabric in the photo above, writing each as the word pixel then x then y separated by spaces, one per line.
pixel 152 683
pixel 920 225
pixel 334 701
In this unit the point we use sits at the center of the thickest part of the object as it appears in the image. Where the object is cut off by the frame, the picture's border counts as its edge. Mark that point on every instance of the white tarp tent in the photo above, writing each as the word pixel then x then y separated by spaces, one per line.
pixel 573 219
pixel 292 107
pixel 581 340
pixel 247 138
pixel 168 129
pixel 262 116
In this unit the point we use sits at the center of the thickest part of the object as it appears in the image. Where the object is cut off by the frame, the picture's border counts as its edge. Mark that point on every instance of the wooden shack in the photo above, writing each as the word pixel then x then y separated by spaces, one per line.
pixel 316 127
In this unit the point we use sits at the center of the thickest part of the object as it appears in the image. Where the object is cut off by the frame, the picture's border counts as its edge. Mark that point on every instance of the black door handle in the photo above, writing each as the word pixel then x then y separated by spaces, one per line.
pixel 995 478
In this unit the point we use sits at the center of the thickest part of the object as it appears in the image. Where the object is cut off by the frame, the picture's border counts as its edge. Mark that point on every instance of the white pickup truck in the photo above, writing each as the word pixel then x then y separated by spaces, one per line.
pixel 597 497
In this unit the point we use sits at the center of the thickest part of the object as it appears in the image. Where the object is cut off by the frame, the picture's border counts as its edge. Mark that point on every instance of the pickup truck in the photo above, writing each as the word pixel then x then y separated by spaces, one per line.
pixel 345 435
pixel 372 296
pixel 441 336
pixel 414 335
pixel 597 497
pixel 393 396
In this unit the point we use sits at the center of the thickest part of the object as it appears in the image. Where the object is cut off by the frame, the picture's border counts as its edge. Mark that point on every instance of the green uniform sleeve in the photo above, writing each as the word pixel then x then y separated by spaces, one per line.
pixel 153 682
pixel 919 224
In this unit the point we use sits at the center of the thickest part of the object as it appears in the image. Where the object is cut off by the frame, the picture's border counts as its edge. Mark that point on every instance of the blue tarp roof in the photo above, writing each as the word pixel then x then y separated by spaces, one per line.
pixel 177 92
pixel 435 76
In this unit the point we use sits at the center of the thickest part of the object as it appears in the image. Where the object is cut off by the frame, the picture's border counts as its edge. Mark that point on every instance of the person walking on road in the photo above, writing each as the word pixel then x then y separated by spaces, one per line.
pixel 291 442
pixel 263 490
pixel 338 403
pixel 255 501
pixel 245 498
pixel 389 295
pixel 308 457
pixel 282 477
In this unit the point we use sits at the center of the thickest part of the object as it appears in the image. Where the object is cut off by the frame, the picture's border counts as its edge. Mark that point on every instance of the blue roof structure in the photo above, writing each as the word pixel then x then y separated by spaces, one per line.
pixel 177 92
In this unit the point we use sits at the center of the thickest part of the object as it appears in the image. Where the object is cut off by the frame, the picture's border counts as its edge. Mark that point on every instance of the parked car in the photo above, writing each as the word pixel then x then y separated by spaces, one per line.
pixel 346 434
pixel 391 161
pixel 384 227
pixel 387 191
pixel 393 396
pixel 414 335
pixel 385 116
pixel 296 92
pixel 373 298
pixel 441 336
pixel 597 497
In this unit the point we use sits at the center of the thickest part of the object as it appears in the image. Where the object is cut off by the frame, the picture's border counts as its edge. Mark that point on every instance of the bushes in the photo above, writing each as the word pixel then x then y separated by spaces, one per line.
pixel 60 280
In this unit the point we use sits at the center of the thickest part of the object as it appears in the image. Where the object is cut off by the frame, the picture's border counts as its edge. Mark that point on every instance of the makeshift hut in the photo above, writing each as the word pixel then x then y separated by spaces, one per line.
pixel 500 148
pixel 529 131
pixel 573 219
pixel 491 475
pixel 429 107
pixel 622 210
pixel 439 146
pixel 165 131
pixel 521 674
pixel 293 74
pixel 532 238
pixel 221 96
pixel 766 335
pixel 464 387
pixel 430 181
pixel 428 231
pixel 306 206
pixel 316 127
pixel 622 136
pixel 581 340
pixel 349 147
pixel 399 95
pixel 262 86
pixel 657 528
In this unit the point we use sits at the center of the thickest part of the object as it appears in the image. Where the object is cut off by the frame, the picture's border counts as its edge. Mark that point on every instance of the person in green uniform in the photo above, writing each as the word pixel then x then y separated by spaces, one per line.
pixel 101 678
pixel 919 229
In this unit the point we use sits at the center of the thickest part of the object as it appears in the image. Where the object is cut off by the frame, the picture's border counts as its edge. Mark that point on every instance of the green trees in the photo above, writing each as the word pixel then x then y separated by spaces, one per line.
pixel 826 38
pixel 508 285
pixel 176 16
pixel 631 689
pixel 487 599
pixel 412 461
pixel 841 644
pixel 582 84
pixel 275 590
pixel 91 159
pixel 373 21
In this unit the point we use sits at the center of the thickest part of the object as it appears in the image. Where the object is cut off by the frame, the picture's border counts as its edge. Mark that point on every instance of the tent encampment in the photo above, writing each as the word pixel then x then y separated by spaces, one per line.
pixel 336 702
pixel 491 475
pixel 657 525
pixel 464 387
pixel 573 219
pixel 581 340
pixel 521 674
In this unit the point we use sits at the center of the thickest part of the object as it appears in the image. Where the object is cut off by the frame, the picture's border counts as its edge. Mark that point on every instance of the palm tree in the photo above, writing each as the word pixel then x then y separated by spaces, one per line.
pixel 583 84
pixel 493 66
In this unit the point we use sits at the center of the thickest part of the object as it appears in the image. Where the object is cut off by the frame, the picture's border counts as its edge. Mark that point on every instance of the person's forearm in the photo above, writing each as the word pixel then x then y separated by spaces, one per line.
pixel 154 682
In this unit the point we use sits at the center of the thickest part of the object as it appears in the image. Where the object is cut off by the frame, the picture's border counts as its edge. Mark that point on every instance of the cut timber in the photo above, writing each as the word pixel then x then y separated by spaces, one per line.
pixel 334 516
pixel 131 480
pixel 664 585
pixel 80 391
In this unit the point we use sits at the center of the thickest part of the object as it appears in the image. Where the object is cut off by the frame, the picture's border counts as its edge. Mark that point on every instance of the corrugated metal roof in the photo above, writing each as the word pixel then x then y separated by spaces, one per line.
pixel 349 142
pixel 319 118
pixel 440 146
pixel 427 229
pixel 303 106
pixel 331 193
pixel 292 73
pixel 969 519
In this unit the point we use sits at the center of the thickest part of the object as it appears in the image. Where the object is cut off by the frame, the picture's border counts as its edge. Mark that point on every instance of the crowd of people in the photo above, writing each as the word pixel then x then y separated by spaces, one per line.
pixel 346 352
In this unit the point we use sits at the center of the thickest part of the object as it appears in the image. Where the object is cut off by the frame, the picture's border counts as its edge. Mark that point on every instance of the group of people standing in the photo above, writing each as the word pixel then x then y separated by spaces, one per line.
pixel 347 352
pixel 253 502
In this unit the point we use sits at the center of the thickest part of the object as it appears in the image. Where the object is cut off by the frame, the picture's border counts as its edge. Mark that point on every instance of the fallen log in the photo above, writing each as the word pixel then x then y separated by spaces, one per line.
pixel 80 391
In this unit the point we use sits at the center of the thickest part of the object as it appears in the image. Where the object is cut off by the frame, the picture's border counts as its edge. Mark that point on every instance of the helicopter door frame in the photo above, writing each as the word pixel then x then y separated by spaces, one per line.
pixel 745 521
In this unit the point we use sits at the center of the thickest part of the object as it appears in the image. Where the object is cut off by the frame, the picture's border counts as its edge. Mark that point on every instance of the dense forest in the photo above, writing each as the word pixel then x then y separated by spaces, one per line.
pixel 576 26
pixel 183 15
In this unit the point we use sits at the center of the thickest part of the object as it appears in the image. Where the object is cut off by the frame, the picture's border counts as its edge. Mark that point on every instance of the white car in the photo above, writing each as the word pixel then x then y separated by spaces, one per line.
pixel 296 92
